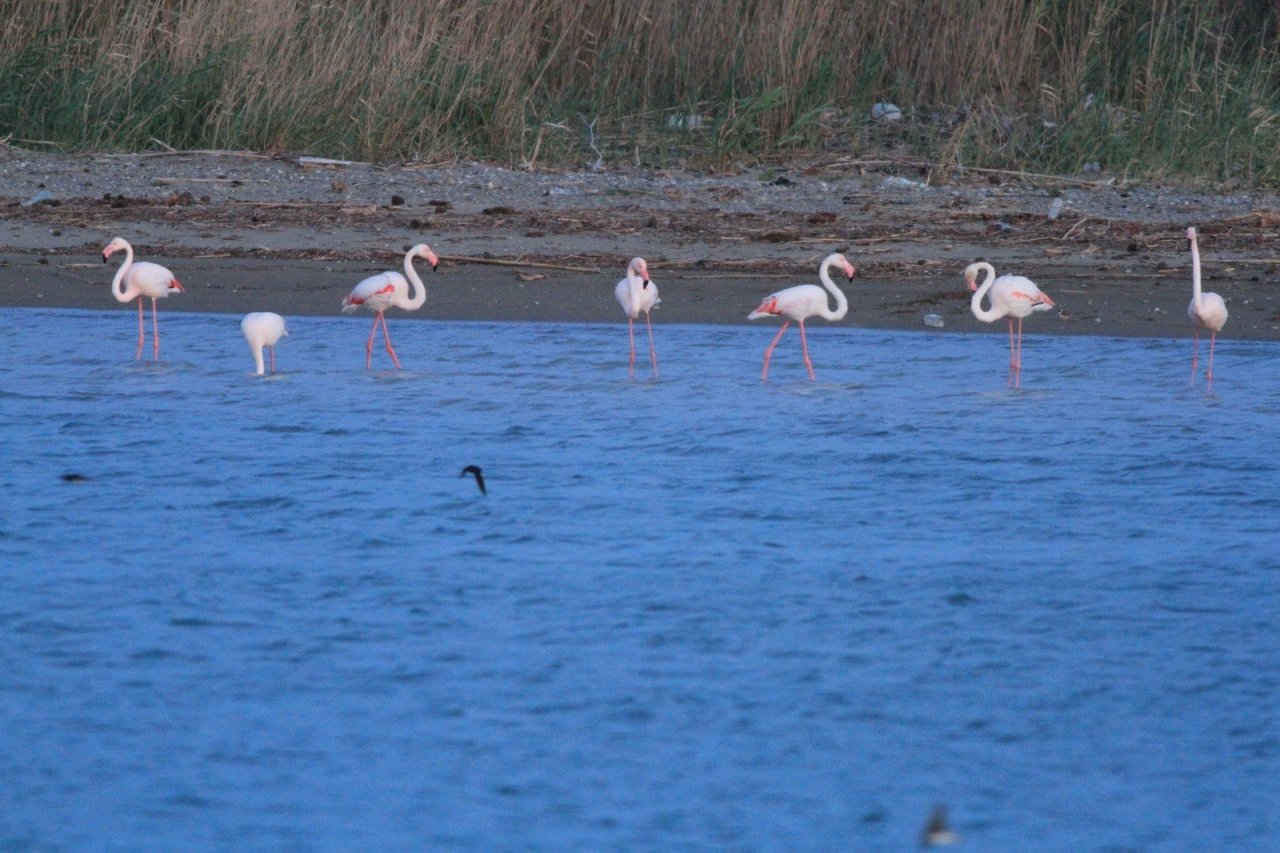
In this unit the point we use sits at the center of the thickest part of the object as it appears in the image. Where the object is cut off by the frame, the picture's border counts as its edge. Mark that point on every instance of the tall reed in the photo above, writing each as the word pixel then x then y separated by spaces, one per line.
pixel 1147 86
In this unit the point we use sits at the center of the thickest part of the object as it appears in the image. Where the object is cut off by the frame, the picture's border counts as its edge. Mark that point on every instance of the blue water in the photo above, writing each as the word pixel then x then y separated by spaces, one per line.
pixel 696 613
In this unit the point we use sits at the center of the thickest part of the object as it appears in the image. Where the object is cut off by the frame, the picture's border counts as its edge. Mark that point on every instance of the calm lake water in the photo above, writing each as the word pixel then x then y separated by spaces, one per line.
pixel 693 613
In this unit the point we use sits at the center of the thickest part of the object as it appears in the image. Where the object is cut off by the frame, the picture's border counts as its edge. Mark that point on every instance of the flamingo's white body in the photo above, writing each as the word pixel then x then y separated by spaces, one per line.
pixel 803 301
pixel 1012 296
pixel 263 329
pixel 386 290
pixel 1206 311
pixel 636 294
pixel 138 281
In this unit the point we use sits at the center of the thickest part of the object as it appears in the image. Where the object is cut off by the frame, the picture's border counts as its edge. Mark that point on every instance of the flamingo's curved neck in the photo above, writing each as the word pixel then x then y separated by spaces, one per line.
pixel 842 304
pixel 419 290
pixel 1195 273
pixel 116 283
pixel 975 303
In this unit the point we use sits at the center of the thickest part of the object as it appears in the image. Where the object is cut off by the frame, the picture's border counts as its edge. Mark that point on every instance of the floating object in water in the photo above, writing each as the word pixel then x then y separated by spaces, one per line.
pixel 933 321
pixel 937 833
pixel 74 478
pixel 474 470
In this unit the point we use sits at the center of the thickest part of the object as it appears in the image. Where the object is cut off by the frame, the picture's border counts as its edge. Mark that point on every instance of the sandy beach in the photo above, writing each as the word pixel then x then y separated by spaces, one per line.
pixel 248 232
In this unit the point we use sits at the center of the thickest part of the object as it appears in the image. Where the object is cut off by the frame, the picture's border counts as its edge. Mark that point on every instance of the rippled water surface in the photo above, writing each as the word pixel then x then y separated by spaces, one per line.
pixel 691 613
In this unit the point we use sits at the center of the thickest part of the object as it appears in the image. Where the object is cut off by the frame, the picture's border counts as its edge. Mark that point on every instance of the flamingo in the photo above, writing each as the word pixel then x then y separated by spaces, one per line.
pixel 143 279
pixel 387 290
pixel 263 329
pixel 637 293
pixel 802 302
pixel 1206 311
pixel 1012 296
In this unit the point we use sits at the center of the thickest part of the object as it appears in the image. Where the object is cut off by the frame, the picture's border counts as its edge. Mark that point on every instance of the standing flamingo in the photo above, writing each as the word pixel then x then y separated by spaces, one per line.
pixel 143 279
pixel 1207 311
pixel 637 293
pixel 386 290
pixel 802 302
pixel 1012 296
pixel 263 329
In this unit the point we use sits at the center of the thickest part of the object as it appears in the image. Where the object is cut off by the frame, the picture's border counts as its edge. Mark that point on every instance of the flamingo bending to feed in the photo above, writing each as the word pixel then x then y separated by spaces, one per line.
pixel 141 279
pixel 263 329
pixel 637 293
pixel 386 290
pixel 1206 311
pixel 802 302
pixel 1012 296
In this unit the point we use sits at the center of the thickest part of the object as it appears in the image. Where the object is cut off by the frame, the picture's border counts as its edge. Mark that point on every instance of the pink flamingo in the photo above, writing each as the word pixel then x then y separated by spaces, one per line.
pixel 802 302
pixel 1012 296
pixel 387 290
pixel 141 279
pixel 263 329
pixel 637 293
pixel 1206 311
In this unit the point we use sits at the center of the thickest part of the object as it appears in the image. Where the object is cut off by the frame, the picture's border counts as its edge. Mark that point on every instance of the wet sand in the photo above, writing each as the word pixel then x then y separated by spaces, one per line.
pixel 548 247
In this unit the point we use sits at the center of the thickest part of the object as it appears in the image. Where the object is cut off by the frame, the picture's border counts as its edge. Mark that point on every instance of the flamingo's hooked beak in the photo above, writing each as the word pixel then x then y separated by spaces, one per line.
pixel 646 283
pixel 852 270
pixel 105 254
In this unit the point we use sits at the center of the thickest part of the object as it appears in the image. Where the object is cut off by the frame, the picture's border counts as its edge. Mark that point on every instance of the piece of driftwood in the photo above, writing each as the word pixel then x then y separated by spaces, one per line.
pixel 501 262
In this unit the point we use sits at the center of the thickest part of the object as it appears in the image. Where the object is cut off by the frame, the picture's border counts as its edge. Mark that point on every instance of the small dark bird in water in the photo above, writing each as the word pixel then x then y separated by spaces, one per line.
pixel 474 470
pixel 74 478
pixel 937 833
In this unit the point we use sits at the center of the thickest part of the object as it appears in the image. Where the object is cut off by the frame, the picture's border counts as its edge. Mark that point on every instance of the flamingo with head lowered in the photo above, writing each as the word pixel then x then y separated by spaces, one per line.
pixel 637 293
pixel 139 280
pixel 802 302
pixel 1012 296
pixel 386 290
pixel 263 329
pixel 1206 311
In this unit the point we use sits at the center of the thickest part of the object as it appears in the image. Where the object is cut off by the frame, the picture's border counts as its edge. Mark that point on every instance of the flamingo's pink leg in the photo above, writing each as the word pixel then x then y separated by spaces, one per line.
pixel 653 353
pixel 386 336
pixel 768 353
pixel 368 345
pixel 1195 356
pixel 155 332
pixel 141 333
pixel 1213 337
pixel 804 348
pixel 631 336
pixel 1017 371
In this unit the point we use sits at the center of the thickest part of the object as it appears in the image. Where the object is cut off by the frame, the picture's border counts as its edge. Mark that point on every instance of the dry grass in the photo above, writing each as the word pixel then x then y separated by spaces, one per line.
pixel 1152 86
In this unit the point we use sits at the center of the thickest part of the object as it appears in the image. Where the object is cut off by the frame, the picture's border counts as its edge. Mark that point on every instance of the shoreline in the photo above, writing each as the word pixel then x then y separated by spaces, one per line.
pixel 268 235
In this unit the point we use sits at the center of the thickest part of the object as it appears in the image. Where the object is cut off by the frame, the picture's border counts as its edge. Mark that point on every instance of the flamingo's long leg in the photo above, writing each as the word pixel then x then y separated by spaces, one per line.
pixel 155 331
pixel 141 332
pixel 653 353
pixel 368 346
pixel 1213 337
pixel 1195 356
pixel 768 353
pixel 386 336
pixel 631 336
pixel 804 348
pixel 1017 370
pixel 272 350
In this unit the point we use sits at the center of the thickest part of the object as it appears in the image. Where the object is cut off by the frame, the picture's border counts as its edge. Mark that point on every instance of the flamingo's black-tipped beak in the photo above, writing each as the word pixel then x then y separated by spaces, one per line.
pixel 435 266
pixel 104 257
pixel 646 282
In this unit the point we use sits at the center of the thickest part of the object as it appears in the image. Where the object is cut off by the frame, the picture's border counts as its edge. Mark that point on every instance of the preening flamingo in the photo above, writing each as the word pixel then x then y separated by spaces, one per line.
pixel 1207 311
pixel 141 279
pixel 263 329
pixel 386 290
pixel 1012 296
pixel 637 293
pixel 802 302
